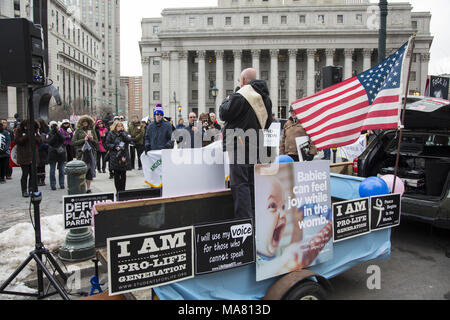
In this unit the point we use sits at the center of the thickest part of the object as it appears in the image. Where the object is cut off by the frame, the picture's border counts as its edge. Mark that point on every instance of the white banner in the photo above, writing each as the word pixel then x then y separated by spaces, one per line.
pixel 354 150
pixel 152 167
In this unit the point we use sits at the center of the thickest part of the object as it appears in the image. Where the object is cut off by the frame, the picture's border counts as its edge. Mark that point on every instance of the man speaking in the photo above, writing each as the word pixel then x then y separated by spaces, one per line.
pixel 246 114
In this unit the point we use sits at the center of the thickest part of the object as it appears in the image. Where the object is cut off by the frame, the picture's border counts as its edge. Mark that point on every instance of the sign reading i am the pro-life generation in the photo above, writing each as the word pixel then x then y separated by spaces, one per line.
pixel 223 246
pixel 351 219
pixel 385 211
pixel 78 208
pixel 149 260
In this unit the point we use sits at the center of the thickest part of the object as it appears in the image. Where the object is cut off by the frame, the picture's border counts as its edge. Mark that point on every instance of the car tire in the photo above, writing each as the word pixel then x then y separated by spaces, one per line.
pixel 306 290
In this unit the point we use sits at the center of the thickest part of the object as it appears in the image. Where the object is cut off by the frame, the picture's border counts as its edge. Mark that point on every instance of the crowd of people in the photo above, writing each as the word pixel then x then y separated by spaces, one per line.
pixel 114 143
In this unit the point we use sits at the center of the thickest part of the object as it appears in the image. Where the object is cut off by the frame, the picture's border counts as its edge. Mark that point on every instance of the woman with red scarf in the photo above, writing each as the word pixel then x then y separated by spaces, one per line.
pixel 101 132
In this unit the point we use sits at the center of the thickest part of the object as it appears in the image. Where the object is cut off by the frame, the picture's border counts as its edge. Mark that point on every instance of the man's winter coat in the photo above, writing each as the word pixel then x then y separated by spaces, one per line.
pixel 22 140
pixel 158 136
pixel 137 131
pixel 55 143
pixel 237 113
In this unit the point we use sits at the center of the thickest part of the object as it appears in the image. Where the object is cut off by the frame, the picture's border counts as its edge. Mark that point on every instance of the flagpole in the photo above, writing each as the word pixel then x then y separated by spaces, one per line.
pixel 397 160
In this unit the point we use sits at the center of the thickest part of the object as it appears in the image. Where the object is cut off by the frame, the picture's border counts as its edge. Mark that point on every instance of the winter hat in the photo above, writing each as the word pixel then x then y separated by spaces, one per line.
pixel 65 121
pixel 158 109
pixel 52 123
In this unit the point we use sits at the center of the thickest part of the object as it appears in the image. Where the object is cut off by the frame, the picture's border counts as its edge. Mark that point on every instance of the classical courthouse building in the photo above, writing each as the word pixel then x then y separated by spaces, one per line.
pixel 189 51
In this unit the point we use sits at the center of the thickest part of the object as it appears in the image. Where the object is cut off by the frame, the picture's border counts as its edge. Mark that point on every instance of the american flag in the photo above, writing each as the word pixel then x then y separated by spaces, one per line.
pixel 336 116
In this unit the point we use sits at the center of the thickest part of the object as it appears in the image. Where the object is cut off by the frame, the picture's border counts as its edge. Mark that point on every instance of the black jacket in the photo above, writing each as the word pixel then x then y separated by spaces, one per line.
pixel 56 140
pixel 237 113
pixel 118 159
pixel 158 136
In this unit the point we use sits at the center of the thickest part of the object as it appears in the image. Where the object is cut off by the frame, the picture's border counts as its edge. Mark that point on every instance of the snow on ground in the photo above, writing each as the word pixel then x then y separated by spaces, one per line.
pixel 16 244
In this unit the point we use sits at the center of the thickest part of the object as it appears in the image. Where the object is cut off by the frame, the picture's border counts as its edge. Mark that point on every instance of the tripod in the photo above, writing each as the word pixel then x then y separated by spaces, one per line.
pixel 40 251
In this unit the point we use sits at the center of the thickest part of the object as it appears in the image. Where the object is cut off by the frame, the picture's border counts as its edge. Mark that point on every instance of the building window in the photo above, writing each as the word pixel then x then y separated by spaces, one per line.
pixel 156 77
pixel 228 21
pixel 414 25
pixel 321 19
pixel 230 75
pixel 246 20
pixel 413 76
pixel 300 75
pixel 299 93
pixel 359 18
pixel 156 96
pixel 194 94
pixel 192 21
pixel 283 19
pixel 155 29
pixel 212 76
pixel 302 19
pixel 340 19
pixel 210 21
pixel 282 75
pixel 265 75
pixel 16 8
pixel 265 20
pixel 194 76
pixel 156 62
pixel 283 94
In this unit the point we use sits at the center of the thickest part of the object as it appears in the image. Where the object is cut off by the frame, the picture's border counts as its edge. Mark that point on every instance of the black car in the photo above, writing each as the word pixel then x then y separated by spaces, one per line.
pixel 424 164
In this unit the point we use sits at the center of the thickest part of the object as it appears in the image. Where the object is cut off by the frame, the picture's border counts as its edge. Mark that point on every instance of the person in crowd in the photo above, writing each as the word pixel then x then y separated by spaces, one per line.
pixel 248 109
pixel 208 129
pixel 57 155
pixel 85 133
pixel 137 131
pixel 24 156
pixel 67 132
pixel 101 131
pixel 5 151
pixel 292 130
pixel 43 152
pixel 158 134
pixel 119 158
pixel 180 124
pixel 212 115
pixel 11 136
pixel 192 129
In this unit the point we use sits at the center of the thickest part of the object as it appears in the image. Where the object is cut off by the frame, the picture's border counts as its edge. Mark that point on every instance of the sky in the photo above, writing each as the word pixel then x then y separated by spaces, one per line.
pixel 132 12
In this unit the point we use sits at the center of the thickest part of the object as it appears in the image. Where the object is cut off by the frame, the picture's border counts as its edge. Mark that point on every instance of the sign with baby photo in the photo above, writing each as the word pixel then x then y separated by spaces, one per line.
pixel 293 217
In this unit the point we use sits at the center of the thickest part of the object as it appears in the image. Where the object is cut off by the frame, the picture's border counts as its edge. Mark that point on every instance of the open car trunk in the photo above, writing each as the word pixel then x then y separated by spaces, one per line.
pixel 424 164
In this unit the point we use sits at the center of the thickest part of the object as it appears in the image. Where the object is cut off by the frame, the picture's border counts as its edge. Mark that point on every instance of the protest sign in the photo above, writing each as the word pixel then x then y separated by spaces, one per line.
pixel 77 209
pixel 149 260
pixel 351 219
pixel 152 167
pixel 293 217
pixel 303 146
pixel 222 246
pixel 385 211
pixel 272 135
pixel 354 150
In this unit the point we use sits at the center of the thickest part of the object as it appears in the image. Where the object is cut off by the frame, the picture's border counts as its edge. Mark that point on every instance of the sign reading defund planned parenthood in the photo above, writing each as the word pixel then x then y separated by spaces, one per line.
pixel 223 246
pixel 149 260
pixel 78 208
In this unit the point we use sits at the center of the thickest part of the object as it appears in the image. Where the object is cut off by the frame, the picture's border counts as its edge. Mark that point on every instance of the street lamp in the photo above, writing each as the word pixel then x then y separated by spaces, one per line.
pixel 179 111
pixel 383 4
pixel 214 93
pixel 175 103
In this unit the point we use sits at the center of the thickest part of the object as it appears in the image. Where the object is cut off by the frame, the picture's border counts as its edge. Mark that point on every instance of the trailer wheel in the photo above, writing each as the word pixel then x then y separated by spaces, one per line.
pixel 306 290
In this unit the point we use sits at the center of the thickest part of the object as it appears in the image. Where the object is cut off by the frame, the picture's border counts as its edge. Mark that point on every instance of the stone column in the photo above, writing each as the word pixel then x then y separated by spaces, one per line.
pixel 201 82
pixel 348 54
pixel 237 67
pixel 367 59
pixel 310 83
pixel 184 83
pixel 424 61
pixel 12 102
pixel 146 91
pixel 255 61
pixel 219 80
pixel 274 80
pixel 330 56
pixel 292 75
pixel 174 85
pixel 165 82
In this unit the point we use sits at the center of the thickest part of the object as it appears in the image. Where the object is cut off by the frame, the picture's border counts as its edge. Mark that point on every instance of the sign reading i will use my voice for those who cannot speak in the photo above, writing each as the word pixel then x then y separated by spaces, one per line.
pixel 149 260
pixel 223 246
pixel 78 208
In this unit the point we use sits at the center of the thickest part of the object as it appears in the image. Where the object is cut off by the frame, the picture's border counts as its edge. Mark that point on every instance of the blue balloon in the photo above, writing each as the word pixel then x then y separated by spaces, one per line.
pixel 284 159
pixel 373 186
